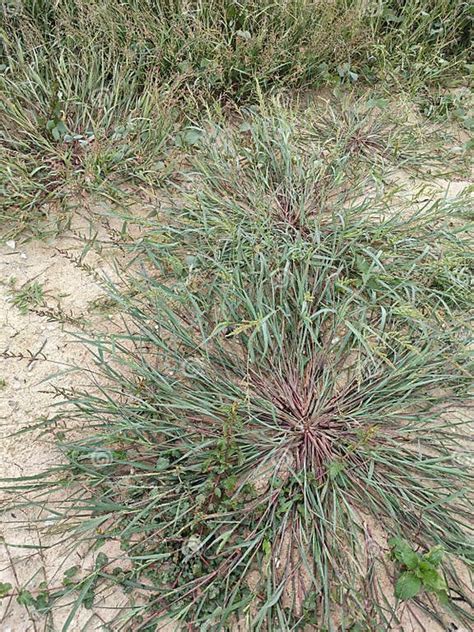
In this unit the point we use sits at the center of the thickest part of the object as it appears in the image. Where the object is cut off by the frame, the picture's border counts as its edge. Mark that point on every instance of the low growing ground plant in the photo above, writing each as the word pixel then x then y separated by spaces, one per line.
pixel 28 296
pixel 419 572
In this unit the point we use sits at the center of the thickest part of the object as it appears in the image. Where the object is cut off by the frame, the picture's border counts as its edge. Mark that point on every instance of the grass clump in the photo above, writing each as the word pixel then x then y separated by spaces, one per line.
pixel 75 134
pixel 269 180
pixel 27 297
pixel 240 452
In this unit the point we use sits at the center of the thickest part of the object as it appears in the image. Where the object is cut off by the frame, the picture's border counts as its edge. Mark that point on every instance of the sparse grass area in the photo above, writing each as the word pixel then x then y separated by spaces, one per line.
pixel 273 435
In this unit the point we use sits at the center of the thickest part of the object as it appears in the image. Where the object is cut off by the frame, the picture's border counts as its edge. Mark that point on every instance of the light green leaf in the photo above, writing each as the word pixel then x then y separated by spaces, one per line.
pixel 408 585
pixel 403 553
pixel 435 555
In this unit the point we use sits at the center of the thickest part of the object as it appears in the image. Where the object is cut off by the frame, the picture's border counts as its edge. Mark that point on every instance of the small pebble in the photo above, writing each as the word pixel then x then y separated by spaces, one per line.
pixel 11 244
pixel 23 256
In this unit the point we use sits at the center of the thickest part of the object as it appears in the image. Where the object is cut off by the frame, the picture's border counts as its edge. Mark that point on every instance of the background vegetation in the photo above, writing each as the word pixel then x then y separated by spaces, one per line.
pixel 90 90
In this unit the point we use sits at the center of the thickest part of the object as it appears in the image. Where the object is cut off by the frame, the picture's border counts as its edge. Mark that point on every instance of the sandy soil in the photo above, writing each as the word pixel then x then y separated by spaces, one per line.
pixel 37 351
pixel 32 347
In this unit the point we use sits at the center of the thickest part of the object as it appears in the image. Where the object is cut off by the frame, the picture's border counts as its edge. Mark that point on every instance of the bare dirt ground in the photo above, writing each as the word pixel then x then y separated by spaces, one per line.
pixel 38 350
pixel 33 346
